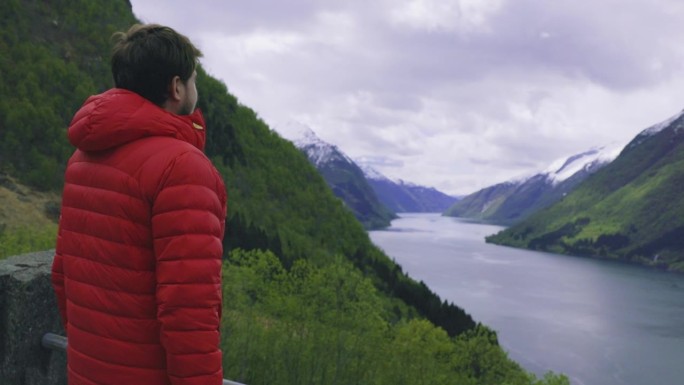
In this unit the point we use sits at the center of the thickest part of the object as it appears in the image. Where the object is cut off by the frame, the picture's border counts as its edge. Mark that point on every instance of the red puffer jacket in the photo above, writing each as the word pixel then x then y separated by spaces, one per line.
pixel 137 270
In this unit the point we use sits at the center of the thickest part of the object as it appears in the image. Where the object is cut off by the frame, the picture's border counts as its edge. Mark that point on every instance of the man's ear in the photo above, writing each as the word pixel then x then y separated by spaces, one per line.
pixel 175 88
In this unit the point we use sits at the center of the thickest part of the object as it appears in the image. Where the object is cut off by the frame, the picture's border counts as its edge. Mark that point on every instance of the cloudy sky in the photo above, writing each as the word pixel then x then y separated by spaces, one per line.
pixel 455 94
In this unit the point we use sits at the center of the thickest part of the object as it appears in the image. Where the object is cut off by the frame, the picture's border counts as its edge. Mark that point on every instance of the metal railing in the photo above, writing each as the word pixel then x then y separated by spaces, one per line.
pixel 57 342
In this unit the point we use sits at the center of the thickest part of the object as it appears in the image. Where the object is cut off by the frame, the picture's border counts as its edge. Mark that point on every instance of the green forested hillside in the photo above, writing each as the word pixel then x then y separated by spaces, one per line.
pixel 511 202
pixel 52 56
pixel 631 210
pixel 278 201
pixel 327 325
pixel 321 285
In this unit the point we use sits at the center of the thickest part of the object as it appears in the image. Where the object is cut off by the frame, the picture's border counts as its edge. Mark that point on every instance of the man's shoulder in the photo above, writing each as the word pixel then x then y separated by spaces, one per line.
pixel 170 153
pixel 167 161
pixel 169 145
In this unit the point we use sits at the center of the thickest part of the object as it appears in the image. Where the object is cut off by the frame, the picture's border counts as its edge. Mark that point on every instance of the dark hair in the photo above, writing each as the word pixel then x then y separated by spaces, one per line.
pixel 147 57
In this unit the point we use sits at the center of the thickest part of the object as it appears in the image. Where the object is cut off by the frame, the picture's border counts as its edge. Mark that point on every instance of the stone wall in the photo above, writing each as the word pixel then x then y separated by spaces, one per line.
pixel 28 310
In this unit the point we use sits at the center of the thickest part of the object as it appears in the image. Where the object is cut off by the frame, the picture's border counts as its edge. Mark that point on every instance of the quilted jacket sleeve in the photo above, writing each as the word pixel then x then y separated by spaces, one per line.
pixel 188 217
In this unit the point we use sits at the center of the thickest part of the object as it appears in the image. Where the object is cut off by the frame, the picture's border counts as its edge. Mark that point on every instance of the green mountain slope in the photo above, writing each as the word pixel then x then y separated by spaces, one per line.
pixel 319 258
pixel 483 204
pixel 631 210
pixel 349 184
pixel 511 202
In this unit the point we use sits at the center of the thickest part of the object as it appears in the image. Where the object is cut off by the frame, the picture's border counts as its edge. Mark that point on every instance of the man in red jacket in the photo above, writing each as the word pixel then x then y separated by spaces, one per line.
pixel 137 270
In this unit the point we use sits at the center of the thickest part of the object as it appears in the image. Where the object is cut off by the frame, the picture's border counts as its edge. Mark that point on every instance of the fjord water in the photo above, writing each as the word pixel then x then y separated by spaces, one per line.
pixel 598 322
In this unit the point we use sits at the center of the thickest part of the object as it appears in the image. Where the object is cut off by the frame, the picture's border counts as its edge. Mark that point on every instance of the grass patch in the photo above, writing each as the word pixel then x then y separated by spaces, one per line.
pixel 25 239
pixel 27 218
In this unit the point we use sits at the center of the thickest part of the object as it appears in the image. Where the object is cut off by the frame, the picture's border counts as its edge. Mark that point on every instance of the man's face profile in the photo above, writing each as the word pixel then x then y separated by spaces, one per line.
pixel 189 96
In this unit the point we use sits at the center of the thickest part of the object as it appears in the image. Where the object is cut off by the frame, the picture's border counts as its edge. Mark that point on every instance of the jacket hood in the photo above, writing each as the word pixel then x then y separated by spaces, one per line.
pixel 119 116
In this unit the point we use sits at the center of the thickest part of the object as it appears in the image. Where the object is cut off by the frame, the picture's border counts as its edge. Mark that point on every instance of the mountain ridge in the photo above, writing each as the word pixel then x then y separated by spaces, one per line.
pixel 631 210
pixel 512 201
pixel 343 175
pixel 402 196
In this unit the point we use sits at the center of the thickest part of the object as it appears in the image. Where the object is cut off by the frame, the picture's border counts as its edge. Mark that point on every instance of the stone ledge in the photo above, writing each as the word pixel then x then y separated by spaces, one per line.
pixel 28 310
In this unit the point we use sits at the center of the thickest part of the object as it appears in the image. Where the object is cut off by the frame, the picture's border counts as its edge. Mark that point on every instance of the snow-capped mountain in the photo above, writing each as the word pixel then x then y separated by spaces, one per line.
pixel 373 197
pixel 565 168
pixel 401 196
pixel 342 174
pixel 318 151
pixel 371 173
pixel 655 129
pixel 630 210
pixel 512 201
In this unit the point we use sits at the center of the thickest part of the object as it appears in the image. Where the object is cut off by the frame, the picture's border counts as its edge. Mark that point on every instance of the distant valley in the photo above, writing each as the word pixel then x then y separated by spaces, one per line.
pixel 406 197
pixel 372 197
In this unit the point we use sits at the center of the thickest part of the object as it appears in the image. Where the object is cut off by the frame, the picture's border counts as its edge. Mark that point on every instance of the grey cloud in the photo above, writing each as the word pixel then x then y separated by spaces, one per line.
pixel 610 43
pixel 454 85
pixel 230 16
pixel 399 101
pixel 380 161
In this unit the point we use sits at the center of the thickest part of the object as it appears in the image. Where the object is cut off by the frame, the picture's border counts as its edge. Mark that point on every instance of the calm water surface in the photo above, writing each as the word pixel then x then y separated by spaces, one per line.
pixel 600 323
